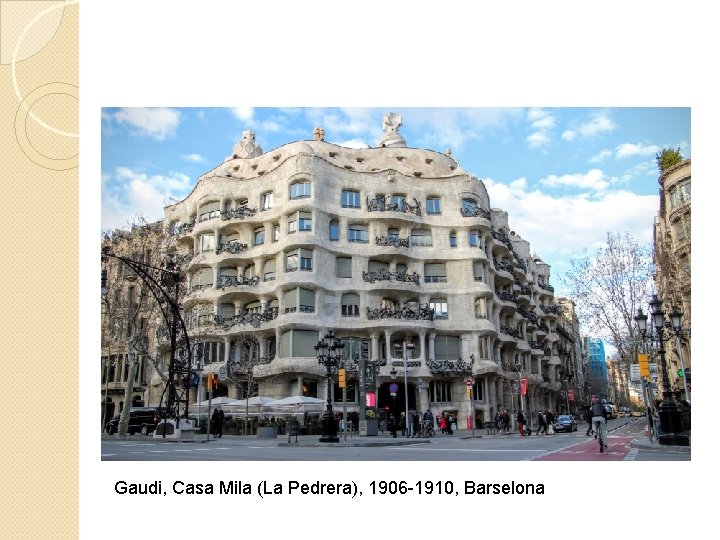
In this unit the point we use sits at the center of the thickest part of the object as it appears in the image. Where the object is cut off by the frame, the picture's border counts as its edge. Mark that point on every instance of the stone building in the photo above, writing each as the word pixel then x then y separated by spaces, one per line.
pixel 672 258
pixel 382 246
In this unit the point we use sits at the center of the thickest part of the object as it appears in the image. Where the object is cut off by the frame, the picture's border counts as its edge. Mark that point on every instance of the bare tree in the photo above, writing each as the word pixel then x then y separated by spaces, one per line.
pixel 608 287
pixel 244 357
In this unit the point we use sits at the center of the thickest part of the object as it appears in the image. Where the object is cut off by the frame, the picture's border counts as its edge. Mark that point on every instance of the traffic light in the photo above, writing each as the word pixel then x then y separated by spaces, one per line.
pixel 212 381
pixel 215 380
pixel 341 378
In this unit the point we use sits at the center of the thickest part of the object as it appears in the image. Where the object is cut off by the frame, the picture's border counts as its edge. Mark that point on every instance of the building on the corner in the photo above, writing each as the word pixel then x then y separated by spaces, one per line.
pixel 380 245
pixel 672 256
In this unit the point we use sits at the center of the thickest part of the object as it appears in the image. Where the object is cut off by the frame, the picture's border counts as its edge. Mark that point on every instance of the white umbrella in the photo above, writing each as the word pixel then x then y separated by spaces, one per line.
pixel 223 401
pixel 296 404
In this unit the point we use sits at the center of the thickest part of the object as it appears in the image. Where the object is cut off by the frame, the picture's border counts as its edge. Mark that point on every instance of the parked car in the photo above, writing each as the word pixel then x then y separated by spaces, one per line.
pixel 142 420
pixel 638 414
pixel 565 422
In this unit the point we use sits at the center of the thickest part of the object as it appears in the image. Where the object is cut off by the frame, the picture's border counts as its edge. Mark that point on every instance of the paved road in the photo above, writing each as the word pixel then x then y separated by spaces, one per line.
pixel 559 447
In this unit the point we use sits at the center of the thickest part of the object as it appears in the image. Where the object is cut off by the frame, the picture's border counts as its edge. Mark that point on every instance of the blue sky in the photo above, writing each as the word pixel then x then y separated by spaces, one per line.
pixel 566 176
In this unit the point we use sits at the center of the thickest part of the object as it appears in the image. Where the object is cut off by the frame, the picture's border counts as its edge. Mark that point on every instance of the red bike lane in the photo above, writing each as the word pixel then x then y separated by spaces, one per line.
pixel 589 450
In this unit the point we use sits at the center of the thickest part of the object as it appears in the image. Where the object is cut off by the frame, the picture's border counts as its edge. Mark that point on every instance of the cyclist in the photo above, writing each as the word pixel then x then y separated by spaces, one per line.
pixel 599 418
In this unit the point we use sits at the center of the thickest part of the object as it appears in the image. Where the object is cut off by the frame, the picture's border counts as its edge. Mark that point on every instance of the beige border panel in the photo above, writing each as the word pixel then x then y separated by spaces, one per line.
pixel 39 190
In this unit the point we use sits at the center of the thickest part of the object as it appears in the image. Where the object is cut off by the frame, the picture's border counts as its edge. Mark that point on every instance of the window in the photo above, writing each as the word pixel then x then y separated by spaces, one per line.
pixel 447 347
pixel 679 228
pixel 292 261
pixel 401 268
pixel 398 201
pixel 276 233
pixel 343 267
pixel 453 240
pixel 478 271
pixel 377 266
pixel 358 233
pixel 334 231
pixel 440 391
pixel 252 307
pixel 469 204
pixel 483 348
pixel 299 300
pixel 435 273
pixel 674 198
pixel 306 260
pixel 299 343
pixel 292 224
pixel 249 271
pixel 439 306
pixel 473 238
pixel 305 221
pixel 259 236
pixel 269 270
pixel 209 211
pixel 477 390
pixel 393 234
pixel 421 237
pixel 207 242
pixel 266 201
pixel 481 308
pixel 350 303
pixel 685 191
pixel 350 199
pixel 300 190
pixel 433 205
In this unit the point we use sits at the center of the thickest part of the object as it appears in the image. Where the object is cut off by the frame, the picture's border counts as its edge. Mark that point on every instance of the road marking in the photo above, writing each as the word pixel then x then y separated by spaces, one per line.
pixel 457 449
pixel 632 454
pixel 107 455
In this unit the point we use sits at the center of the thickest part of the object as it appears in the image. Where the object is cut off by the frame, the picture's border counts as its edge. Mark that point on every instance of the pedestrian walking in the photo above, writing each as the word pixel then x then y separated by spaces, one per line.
pixel 443 424
pixel 521 423
pixel 550 420
pixel 588 417
pixel 403 423
pixel 542 424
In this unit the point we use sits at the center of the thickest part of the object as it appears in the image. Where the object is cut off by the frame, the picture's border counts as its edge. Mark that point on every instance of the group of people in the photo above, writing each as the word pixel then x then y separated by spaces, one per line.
pixel 502 421
pixel 546 419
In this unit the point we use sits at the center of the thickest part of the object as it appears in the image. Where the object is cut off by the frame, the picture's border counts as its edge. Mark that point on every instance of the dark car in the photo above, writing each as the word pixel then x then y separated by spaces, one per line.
pixel 565 422
pixel 142 420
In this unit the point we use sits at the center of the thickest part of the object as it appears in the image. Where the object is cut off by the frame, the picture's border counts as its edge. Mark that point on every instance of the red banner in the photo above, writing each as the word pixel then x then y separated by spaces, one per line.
pixel 523 387
pixel 571 395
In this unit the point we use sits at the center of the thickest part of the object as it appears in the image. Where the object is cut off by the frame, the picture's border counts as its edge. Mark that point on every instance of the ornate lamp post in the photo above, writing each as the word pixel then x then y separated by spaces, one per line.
pixel 675 316
pixel 393 427
pixel 671 430
pixel 329 354
pixel 157 281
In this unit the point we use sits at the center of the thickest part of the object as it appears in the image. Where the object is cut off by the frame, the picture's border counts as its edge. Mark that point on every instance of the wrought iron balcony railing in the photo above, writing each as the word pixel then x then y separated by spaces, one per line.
pixel 474 211
pixel 509 330
pixel 253 319
pixel 181 228
pixel 548 288
pixel 231 247
pixel 238 213
pixel 529 315
pixel 236 281
pixel 422 312
pixel 506 296
pixel 549 309
pixel 394 241
pixel 503 265
pixel 451 367
pixel 384 204
pixel 384 275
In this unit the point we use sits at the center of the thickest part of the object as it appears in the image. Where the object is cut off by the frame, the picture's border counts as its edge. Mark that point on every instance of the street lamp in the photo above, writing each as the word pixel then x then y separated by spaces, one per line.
pixel 671 430
pixel 675 316
pixel 329 354
pixel 158 280
pixel 405 348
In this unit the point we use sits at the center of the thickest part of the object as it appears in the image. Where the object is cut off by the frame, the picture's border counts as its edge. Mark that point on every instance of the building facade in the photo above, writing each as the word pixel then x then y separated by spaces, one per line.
pixel 597 368
pixel 383 246
pixel 672 256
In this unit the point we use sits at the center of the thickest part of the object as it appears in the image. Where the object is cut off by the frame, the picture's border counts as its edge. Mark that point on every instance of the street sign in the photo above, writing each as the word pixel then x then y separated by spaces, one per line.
pixel 468 382
pixel 635 372
pixel 523 386
pixel 420 385
pixel 680 373
pixel 222 373
pixel 643 363
pixel 393 388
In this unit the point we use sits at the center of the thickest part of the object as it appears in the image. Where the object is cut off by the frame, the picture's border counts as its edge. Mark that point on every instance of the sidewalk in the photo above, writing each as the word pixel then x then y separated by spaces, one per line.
pixel 642 443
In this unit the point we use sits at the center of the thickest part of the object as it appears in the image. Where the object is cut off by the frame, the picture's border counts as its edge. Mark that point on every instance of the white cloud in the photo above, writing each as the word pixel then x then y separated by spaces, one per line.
pixel 127 192
pixel 353 143
pixel 629 149
pixel 243 113
pixel 541 121
pixel 156 122
pixel 192 158
pixel 601 155
pixel 593 179
pixel 558 226
pixel 569 135
pixel 599 123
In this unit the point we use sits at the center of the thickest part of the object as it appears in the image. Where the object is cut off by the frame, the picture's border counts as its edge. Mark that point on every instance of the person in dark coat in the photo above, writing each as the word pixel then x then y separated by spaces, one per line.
pixel 521 423
pixel 214 420
pixel 542 424
pixel 220 422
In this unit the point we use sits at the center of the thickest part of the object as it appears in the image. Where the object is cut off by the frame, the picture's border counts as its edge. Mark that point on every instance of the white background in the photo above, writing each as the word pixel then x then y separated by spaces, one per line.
pixel 321 53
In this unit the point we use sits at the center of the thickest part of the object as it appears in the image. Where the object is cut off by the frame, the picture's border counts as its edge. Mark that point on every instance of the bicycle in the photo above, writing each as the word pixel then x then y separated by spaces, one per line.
pixel 601 434
pixel 426 429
